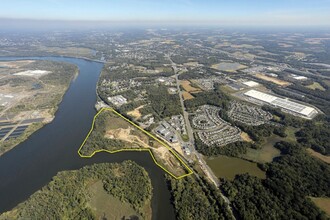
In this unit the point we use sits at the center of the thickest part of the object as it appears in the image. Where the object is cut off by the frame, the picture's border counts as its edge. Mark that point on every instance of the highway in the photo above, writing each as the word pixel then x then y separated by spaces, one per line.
pixel 185 113
pixel 205 168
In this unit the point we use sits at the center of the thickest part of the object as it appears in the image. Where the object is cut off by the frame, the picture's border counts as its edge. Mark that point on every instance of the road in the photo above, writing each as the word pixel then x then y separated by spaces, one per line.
pixel 207 171
pixel 185 113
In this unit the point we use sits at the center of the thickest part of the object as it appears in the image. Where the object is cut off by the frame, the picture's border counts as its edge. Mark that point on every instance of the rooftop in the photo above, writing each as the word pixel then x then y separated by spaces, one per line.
pixel 304 110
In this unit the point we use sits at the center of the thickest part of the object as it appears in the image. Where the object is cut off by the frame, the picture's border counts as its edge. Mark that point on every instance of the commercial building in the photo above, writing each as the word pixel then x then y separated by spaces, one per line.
pixel 164 130
pixel 118 100
pixel 298 77
pixel 287 105
pixel 251 83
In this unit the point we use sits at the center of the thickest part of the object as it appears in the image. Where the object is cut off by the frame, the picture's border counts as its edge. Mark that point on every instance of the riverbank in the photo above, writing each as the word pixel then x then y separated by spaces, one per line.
pixel 33 163
pixel 96 196
pixel 35 98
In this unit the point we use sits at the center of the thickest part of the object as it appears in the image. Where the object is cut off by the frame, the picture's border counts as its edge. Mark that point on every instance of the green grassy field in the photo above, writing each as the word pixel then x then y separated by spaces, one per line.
pixel 264 155
pixel 316 85
pixel 226 89
pixel 290 132
pixel 105 205
pixel 115 122
pixel 268 152
pixel 228 167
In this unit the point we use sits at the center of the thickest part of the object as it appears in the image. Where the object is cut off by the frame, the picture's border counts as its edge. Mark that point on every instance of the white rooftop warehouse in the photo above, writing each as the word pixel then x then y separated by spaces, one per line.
pixel 35 73
pixel 300 109
pixel 251 83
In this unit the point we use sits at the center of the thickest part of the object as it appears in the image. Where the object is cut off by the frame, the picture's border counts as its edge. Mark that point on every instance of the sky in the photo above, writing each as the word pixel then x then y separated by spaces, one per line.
pixel 241 12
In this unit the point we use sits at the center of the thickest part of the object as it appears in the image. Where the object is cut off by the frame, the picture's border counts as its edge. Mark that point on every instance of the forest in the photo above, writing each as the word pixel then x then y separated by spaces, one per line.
pixel 216 98
pixel 195 198
pixel 163 103
pixel 67 195
pixel 292 178
pixel 284 194
pixel 96 140
pixel 315 134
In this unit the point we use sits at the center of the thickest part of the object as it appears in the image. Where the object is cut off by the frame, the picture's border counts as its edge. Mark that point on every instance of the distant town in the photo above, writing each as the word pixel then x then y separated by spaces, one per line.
pixel 242 109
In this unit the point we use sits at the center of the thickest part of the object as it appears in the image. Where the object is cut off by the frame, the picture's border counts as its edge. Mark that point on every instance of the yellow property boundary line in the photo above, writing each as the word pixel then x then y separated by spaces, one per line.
pixel 122 150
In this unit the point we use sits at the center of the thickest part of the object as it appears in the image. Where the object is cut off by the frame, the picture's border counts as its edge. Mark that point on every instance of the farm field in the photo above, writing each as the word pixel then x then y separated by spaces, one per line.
pixel 327 82
pixel 69 51
pixel 272 79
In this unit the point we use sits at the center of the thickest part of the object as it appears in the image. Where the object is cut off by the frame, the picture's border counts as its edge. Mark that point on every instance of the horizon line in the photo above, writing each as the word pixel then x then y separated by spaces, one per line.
pixel 164 21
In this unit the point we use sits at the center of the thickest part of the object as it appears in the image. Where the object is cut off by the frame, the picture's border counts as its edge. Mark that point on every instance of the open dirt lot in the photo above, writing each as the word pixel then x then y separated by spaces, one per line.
pixel 127 136
pixel 187 95
pixel 322 203
pixel 136 112
pixel 186 86
pixel 246 137
pixel 116 129
pixel 322 157
pixel 15 64
pixel 272 79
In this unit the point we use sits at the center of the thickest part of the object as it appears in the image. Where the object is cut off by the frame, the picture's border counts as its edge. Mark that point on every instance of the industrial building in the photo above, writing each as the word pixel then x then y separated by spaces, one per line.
pixel 164 129
pixel 298 77
pixel 118 100
pixel 251 83
pixel 285 104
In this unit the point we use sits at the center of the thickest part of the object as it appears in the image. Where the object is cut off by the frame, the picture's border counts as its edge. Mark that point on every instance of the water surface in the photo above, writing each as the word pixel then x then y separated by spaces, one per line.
pixel 53 148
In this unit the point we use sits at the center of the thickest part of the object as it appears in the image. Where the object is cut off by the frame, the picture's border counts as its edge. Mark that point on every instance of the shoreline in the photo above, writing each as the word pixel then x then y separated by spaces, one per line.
pixel 38 126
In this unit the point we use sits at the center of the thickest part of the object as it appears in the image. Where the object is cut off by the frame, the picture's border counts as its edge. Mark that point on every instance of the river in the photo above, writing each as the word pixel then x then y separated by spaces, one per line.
pixel 32 164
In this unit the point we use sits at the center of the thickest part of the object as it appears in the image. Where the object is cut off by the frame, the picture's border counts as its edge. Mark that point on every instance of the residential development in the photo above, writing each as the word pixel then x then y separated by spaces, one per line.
pixel 212 129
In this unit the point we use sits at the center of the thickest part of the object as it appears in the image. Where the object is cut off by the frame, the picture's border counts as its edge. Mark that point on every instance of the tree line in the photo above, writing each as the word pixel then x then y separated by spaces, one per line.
pixel 195 198
pixel 291 179
pixel 67 195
